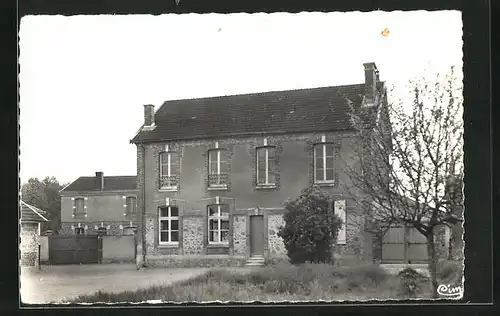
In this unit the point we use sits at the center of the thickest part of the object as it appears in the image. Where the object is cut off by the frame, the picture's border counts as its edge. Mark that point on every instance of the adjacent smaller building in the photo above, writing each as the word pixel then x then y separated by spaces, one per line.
pixel 31 220
pixel 99 205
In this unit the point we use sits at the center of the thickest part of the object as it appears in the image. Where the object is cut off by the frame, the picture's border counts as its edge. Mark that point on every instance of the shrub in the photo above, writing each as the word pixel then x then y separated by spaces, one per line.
pixel 411 282
pixel 311 227
pixel 450 271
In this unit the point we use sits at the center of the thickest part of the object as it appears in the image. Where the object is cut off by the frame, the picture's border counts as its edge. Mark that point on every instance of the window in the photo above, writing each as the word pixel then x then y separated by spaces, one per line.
pixel 324 156
pixel 218 224
pixel 79 206
pixel 102 231
pixel 266 166
pixel 169 170
pixel 169 225
pixel 131 205
pixel 217 167
pixel 340 212
pixel 79 231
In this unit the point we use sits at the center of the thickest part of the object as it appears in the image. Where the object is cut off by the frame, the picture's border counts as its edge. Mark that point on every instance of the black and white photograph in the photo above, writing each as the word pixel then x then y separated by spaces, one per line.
pixel 264 157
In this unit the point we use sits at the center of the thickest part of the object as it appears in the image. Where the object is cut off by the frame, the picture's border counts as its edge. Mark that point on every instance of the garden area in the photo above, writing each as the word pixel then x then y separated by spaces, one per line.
pixel 304 282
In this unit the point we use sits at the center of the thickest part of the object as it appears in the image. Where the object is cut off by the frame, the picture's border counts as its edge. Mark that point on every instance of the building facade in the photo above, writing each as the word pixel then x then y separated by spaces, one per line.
pixel 99 205
pixel 213 174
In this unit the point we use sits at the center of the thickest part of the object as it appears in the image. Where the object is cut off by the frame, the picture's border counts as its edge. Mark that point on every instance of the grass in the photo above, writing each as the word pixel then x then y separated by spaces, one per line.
pixel 308 282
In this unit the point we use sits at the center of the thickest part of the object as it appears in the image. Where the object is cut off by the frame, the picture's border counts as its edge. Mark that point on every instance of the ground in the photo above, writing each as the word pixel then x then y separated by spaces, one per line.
pixel 56 283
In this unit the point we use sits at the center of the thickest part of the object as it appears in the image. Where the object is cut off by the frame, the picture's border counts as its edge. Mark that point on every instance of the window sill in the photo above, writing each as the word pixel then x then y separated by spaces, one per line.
pixel 325 184
pixel 218 245
pixel 265 186
pixel 168 245
pixel 217 188
pixel 169 189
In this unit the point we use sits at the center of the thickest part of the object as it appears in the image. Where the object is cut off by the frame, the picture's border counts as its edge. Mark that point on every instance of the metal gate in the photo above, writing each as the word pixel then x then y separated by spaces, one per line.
pixel 404 245
pixel 75 249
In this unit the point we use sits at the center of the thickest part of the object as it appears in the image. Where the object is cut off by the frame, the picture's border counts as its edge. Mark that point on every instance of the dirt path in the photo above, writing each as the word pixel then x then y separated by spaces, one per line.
pixel 56 283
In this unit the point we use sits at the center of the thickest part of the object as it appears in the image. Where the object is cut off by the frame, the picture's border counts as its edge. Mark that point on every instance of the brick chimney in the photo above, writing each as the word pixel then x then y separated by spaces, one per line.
pixel 371 79
pixel 99 175
pixel 149 114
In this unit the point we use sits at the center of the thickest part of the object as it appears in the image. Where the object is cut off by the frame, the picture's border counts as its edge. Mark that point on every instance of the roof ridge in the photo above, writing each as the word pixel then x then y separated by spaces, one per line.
pixel 259 93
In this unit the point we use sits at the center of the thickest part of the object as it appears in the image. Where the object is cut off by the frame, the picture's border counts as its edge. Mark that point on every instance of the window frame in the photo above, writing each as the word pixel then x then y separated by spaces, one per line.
pixel 83 212
pixel 82 229
pixel 223 182
pixel 219 219
pixel 171 160
pixel 127 205
pixel 268 170
pixel 169 218
pixel 324 159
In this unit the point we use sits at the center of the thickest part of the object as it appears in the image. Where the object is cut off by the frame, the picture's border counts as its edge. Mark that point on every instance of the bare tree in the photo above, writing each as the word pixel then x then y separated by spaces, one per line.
pixel 409 153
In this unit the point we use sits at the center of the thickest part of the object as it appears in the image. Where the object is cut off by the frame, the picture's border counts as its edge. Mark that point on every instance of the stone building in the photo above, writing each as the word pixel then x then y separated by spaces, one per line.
pixel 99 205
pixel 31 220
pixel 213 173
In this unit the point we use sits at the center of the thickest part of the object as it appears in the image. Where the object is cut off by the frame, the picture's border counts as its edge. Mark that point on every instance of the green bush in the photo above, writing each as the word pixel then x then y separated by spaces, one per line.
pixel 311 227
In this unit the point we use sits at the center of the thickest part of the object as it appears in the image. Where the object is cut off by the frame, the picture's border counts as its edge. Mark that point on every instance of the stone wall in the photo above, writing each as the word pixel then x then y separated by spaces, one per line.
pixel 113 228
pixel 239 235
pixel 193 235
pixel 276 245
pixel 29 244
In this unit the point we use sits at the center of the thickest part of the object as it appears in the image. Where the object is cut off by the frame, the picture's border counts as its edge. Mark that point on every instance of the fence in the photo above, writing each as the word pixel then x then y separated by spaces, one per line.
pixel 118 249
pixel 114 249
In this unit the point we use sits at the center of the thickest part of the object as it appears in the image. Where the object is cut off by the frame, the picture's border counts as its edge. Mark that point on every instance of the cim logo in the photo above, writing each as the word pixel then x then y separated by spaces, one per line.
pixel 450 291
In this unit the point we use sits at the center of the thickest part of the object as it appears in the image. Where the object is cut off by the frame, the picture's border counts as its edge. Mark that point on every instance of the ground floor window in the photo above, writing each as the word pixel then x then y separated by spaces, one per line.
pixel 102 231
pixel 218 224
pixel 169 225
pixel 79 231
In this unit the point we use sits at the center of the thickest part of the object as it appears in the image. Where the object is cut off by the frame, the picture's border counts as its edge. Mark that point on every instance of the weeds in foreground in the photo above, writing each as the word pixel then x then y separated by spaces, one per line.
pixel 307 282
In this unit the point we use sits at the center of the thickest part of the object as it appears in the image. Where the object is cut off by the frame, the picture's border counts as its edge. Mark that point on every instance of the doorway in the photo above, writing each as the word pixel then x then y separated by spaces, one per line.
pixel 256 235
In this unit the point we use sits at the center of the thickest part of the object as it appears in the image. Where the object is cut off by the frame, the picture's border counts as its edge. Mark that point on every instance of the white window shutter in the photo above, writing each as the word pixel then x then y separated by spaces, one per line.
pixel 340 212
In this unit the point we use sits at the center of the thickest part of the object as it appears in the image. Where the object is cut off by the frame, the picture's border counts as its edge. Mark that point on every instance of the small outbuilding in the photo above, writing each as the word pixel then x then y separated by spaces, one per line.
pixel 31 222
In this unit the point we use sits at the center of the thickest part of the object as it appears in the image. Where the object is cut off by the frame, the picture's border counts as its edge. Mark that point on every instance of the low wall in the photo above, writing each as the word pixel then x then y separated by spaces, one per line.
pixel 118 249
pixel 44 249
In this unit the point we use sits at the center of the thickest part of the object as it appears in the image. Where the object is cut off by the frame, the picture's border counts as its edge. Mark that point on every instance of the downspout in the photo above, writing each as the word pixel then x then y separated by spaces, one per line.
pixel 143 211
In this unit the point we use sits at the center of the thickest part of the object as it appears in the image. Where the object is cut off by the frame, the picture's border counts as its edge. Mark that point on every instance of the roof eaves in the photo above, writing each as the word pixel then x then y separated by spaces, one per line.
pixel 202 137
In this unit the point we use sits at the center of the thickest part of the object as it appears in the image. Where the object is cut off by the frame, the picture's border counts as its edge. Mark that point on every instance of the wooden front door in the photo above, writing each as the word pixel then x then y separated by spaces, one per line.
pixel 256 235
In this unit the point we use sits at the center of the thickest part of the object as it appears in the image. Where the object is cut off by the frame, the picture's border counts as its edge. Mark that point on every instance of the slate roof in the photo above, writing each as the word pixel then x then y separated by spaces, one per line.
pixel 111 183
pixel 304 110
pixel 29 213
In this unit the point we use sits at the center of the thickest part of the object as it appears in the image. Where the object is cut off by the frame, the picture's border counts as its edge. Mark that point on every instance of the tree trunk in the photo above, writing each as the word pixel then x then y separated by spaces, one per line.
pixel 431 250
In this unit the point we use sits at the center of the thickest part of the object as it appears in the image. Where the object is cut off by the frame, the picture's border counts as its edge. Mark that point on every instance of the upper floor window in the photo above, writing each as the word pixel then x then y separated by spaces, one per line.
pixel 131 205
pixel 266 166
pixel 79 208
pixel 324 157
pixel 169 170
pixel 218 223
pixel 217 167
pixel 169 225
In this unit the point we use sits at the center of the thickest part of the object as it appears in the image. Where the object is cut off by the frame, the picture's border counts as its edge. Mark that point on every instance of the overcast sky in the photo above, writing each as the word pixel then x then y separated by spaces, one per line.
pixel 84 79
